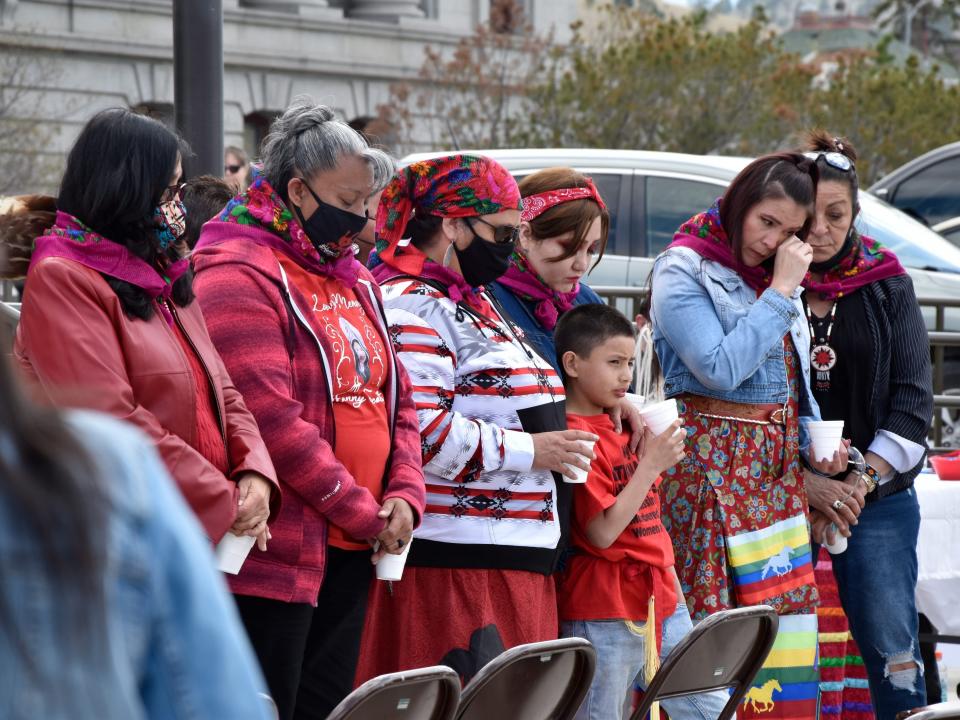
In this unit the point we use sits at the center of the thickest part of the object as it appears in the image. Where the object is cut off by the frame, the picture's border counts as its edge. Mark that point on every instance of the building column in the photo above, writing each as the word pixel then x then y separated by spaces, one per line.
pixel 385 10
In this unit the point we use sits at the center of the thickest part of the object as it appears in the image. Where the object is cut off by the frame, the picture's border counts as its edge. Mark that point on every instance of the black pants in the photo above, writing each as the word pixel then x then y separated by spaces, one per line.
pixel 309 655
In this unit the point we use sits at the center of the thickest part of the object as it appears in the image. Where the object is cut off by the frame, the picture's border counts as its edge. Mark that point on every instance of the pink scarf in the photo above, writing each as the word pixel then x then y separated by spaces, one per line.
pixel 526 284
pixel 69 238
pixel 456 287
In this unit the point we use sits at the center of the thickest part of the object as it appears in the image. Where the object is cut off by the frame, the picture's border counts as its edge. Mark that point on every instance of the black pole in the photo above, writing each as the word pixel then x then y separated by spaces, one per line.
pixel 198 82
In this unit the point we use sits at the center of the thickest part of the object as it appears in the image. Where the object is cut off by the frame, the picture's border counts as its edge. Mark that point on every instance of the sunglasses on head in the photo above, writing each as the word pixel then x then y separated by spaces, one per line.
pixel 833 159
pixel 233 169
pixel 502 234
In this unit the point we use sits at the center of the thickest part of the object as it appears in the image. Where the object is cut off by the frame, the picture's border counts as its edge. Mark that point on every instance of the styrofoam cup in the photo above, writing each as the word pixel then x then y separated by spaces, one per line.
pixel 839 544
pixel 232 550
pixel 580 472
pixel 390 566
pixel 659 416
pixel 826 436
pixel 636 400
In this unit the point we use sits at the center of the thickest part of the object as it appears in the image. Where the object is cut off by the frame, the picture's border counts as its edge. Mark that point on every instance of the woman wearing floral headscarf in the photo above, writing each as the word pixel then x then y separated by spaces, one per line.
pixel 491 412
pixel 564 230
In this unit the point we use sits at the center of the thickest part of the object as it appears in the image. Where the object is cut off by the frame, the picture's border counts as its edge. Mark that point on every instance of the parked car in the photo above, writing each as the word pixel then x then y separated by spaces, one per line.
pixel 950 229
pixel 650 194
pixel 926 187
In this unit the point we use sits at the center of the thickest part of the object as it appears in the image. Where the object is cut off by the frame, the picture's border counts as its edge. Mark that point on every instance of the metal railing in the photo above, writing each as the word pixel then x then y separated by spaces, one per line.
pixel 629 299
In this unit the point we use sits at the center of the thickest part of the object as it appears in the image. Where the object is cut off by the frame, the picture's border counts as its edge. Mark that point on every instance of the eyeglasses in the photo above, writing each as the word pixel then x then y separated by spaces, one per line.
pixel 232 169
pixel 833 159
pixel 172 192
pixel 502 234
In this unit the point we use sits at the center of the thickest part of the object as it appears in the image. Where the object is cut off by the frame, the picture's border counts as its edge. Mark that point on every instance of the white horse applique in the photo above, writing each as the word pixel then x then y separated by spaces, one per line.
pixel 779 564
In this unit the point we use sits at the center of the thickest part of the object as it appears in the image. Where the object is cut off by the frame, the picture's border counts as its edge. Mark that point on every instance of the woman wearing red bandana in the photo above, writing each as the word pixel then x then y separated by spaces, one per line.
pixel 871 369
pixel 492 425
pixel 301 327
pixel 109 322
pixel 563 233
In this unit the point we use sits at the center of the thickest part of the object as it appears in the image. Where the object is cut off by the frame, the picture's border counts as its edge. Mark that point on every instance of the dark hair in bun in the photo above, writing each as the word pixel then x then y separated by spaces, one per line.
pixel 820 141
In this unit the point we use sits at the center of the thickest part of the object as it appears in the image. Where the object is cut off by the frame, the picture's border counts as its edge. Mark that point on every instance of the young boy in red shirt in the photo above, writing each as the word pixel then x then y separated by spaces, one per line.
pixel 621 565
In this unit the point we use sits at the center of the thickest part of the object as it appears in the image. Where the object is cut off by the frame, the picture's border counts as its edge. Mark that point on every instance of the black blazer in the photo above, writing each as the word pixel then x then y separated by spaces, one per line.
pixel 901 400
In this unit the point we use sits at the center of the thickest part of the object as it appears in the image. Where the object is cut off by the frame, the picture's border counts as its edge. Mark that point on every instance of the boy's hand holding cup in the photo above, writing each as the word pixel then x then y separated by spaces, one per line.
pixel 665 450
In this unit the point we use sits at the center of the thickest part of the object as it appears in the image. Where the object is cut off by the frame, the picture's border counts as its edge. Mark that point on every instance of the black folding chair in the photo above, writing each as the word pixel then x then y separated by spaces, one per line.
pixel 725 650
pixel 940 711
pixel 539 681
pixel 430 693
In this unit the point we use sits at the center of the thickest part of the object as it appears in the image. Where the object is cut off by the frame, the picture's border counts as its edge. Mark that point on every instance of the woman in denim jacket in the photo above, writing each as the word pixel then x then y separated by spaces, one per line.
pixel 732 341
pixel 110 604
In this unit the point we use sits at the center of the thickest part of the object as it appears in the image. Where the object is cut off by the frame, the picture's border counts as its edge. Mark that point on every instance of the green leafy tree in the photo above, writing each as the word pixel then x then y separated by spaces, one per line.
pixel 642 83
pixel 916 20
pixel 891 113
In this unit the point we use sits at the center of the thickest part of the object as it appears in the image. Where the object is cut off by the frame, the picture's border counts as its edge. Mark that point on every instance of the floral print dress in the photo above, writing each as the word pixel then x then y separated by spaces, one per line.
pixel 735 508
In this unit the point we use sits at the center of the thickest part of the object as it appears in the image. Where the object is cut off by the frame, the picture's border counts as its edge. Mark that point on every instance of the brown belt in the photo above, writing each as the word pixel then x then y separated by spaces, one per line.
pixel 769 414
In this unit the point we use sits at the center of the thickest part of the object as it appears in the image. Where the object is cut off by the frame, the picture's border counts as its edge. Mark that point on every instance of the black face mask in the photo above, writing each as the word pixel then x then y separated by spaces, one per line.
pixel 482 262
pixel 330 229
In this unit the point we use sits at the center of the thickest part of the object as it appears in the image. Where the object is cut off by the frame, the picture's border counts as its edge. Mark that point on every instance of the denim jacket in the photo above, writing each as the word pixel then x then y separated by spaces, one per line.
pixel 716 338
pixel 171 647
pixel 521 312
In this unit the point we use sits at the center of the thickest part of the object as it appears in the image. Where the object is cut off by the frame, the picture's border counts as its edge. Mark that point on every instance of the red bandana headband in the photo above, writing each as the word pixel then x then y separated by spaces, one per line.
pixel 536 205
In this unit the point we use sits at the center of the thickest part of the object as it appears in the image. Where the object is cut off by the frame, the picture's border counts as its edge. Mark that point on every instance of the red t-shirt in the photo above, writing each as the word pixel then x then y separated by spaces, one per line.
pixel 209 441
pixel 615 583
pixel 358 369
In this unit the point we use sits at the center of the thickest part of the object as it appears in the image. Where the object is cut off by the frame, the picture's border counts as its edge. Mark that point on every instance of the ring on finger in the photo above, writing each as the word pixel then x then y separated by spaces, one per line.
pixel 838 505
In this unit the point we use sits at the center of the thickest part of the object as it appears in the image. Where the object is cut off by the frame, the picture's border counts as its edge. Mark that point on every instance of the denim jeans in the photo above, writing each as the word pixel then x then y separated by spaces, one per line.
pixel 877 580
pixel 620 660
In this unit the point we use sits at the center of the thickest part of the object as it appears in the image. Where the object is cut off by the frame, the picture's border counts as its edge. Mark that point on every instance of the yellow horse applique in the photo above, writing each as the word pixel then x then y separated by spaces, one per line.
pixel 763 696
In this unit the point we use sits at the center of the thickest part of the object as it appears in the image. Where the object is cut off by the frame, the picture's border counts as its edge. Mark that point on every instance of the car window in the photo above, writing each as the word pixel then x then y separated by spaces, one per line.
pixel 953 235
pixel 933 193
pixel 670 203
pixel 608 186
pixel 916 245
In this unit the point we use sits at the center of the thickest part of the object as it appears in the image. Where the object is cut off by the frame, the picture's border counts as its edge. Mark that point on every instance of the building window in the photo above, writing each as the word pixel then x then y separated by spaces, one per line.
pixel 431 8
pixel 256 125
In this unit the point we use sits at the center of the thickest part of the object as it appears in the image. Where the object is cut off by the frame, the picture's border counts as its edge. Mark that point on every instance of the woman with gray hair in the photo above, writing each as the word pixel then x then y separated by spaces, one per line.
pixel 300 325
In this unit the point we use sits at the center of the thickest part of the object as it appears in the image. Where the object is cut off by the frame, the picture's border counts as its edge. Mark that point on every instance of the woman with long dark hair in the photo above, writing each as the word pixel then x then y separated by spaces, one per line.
pixel 109 322
pixel 110 606
pixel 733 343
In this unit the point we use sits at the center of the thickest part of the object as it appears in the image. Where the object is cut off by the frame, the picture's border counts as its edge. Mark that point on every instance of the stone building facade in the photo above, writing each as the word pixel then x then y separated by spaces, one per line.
pixel 76 57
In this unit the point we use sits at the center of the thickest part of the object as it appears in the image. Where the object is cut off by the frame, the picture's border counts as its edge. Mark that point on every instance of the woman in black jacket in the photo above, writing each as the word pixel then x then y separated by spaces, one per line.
pixel 870 367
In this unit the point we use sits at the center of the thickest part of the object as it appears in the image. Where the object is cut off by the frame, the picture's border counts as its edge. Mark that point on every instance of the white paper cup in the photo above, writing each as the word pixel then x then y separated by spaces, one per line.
pixel 826 436
pixel 580 472
pixel 390 566
pixel 659 416
pixel 232 550
pixel 839 544
pixel 636 400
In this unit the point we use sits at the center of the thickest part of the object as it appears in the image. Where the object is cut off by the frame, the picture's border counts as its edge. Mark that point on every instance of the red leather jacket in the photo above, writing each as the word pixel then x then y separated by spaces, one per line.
pixel 79 346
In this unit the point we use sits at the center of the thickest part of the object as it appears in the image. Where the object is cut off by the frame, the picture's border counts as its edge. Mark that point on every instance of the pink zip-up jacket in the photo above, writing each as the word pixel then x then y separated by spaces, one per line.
pixel 257 322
